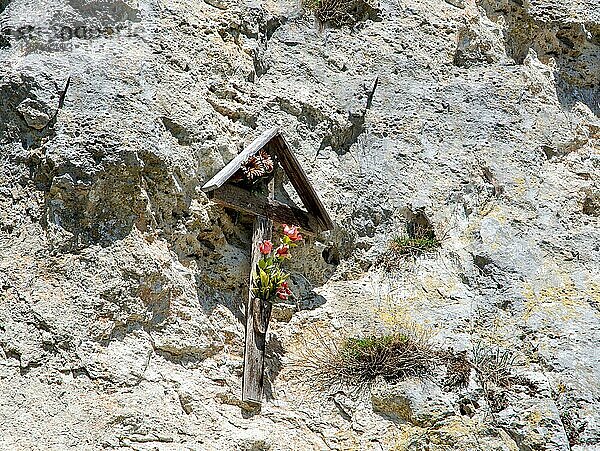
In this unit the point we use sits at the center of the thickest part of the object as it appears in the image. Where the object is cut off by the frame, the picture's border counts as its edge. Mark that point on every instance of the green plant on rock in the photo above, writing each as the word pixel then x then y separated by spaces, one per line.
pixel 405 245
pixel 393 356
pixel 417 241
pixel 312 4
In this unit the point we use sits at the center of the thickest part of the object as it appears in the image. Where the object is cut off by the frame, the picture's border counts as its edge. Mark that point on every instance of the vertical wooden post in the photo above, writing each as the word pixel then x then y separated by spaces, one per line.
pixel 258 314
pixel 257 322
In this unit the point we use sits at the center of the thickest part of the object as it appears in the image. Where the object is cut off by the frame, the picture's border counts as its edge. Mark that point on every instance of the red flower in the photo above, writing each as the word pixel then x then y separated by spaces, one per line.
pixel 283 251
pixel 265 247
pixel 291 232
pixel 283 292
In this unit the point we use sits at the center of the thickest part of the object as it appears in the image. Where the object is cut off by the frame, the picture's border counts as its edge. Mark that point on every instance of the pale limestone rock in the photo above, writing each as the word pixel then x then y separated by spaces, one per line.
pixel 122 286
pixel 34 114
pixel 414 401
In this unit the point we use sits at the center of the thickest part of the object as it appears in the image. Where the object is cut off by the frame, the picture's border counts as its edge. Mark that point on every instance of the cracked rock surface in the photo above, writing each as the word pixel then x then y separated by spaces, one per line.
pixel 122 285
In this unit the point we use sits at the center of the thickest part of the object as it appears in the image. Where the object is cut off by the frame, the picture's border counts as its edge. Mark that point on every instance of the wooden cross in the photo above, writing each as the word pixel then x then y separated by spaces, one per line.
pixel 232 187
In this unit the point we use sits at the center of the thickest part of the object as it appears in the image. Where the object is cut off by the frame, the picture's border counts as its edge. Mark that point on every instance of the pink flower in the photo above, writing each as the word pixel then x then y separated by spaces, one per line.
pixel 283 251
pixel 291 232
pixel 265 247
pixel 283 291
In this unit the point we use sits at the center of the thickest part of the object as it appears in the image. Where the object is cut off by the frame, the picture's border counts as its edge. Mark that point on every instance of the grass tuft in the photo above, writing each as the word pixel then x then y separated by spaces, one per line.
pixel 495 368
pixel 495 365
pixel 404 245
pixel 417 242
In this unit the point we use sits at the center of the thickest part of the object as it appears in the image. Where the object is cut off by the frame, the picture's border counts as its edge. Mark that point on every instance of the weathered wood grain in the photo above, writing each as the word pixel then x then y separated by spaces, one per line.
pixel 301 184
pixel 254 353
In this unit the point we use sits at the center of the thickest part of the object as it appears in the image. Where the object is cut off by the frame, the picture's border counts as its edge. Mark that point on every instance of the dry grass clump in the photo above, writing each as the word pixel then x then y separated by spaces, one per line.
pixel 458 369
pixel 495 368
pixel 495 365
pixel 394 356
pixel 357 361
pixel 340 12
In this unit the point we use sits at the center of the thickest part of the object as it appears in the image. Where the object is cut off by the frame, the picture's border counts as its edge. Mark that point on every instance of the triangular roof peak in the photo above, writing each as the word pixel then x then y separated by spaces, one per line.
pixel 315 219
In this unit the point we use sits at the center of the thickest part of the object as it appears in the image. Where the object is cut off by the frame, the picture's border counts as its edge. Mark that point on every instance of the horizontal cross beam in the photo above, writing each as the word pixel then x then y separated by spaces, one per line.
pixel 237 198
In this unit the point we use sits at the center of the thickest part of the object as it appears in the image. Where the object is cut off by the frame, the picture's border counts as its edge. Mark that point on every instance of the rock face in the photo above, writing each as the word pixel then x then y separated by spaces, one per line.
pixel 121 314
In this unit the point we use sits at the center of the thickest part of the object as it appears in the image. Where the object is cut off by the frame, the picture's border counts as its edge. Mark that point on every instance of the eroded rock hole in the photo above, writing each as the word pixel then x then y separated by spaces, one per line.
pixel 331 255
pixel 591 204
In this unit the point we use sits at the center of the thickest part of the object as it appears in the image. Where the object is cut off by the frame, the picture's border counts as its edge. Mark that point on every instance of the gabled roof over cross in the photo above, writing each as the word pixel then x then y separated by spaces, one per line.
pixel 315 219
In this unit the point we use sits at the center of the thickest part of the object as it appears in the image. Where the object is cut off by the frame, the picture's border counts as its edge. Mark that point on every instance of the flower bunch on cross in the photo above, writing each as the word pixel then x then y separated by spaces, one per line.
pixel 270 280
